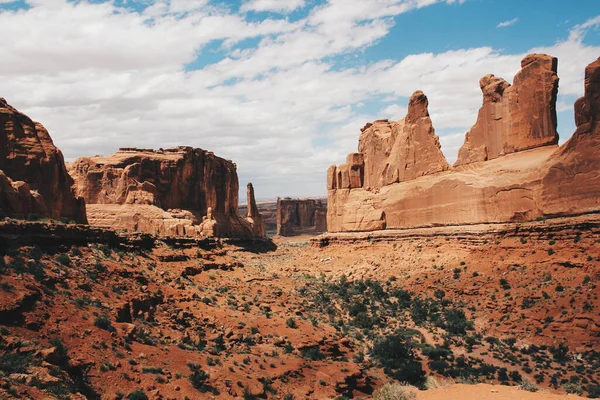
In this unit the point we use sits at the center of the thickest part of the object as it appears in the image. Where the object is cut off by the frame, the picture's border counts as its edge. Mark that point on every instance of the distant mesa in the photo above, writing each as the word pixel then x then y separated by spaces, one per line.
pixel 34 180
pixel 179 191
pixel 301 216
pixel 509 168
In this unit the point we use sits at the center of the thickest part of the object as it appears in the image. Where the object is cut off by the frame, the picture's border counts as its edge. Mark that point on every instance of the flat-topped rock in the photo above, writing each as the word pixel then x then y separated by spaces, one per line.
pixel 182 178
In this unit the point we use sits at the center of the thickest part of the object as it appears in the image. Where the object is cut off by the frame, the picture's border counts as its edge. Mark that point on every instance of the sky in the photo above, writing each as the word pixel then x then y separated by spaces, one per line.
pixel 281 87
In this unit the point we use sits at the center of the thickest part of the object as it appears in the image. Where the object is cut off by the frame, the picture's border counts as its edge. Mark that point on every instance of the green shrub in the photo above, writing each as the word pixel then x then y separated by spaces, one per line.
pixel 396 355
pixel 291 323
pixel 137 395
pixel 63 259
pixel 104 323
pixel 199 378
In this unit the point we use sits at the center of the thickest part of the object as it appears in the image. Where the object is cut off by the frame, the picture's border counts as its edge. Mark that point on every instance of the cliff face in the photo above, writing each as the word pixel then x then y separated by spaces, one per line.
pixel 572 182
pixel 514 185
pixel 392 152
pixel 194 192
pixel 17 200
pixel 515 118
pixel 298 216
pixel 28 154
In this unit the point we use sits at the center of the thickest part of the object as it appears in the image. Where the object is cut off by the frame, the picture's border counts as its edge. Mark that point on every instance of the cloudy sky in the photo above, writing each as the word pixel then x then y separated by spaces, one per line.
pixel 281 87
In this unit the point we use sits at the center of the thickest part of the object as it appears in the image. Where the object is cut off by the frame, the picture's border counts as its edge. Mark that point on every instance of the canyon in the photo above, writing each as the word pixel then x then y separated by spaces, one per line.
pixel 138 275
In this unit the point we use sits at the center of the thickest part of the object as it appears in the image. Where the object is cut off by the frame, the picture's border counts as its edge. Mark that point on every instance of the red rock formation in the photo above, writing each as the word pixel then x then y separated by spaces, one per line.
pixel 28 154
pixel 514 118
pixel 254 217
pixel 573 178
pixel 298 216
pixel 18 201
pixel 539 182
pixel 193 192
pixel 392 152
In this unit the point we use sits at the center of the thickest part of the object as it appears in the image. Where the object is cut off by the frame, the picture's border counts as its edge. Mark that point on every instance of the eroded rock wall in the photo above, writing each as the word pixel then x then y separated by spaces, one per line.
pixel 192 192
pixel 298 216
pixel 514 118
pixel 516 186
pixel 392 151
pixel 27 154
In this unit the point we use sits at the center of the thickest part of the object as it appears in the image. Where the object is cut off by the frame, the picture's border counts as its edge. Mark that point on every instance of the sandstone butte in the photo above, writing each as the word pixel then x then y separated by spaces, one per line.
pixel 33 176
pixel 298 216
pixel 509 169
pixel 180 191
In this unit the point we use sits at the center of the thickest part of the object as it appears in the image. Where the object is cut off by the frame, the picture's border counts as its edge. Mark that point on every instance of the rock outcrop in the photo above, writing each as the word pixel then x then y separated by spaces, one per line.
pixel 17 200
pixel 178 191
pixel 254 217
pixel 27 154
pixel 523 184
pixel 392 152
pixel 572 182
pixel 300 216
pixel 515 118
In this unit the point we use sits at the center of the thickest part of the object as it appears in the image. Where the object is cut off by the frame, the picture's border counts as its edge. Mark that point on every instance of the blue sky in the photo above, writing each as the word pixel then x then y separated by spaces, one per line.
pixel 281 87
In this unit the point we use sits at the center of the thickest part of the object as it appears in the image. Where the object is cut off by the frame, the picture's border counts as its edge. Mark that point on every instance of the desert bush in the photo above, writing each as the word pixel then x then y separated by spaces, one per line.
pixel 528 386
pixel 137 395
pixel 291 323
pixel 63 259
pixel 433 383
pixel 573 388
pixel 395 391
pixel 103 323
pixel 396 355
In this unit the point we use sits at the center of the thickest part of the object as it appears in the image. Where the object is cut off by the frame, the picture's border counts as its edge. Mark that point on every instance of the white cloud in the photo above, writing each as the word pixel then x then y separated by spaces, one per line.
pixel 394 111
pixel 283 6
pixel 100 77
pixel 507 23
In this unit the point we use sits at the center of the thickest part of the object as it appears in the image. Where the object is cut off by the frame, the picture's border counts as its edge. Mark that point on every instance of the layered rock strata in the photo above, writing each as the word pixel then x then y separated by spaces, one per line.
pixel 300 216
pixel 17 200
pixel 178 191
pixel 28 156
pixel 514 118
pixel 390 152
pixel 517 186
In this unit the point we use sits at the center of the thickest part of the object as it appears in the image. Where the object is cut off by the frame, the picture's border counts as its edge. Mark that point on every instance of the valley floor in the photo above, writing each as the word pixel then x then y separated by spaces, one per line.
pixel 337 318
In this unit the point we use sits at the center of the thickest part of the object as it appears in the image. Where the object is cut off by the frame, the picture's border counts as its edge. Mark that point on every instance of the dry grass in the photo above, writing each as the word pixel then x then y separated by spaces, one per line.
pixel 395 391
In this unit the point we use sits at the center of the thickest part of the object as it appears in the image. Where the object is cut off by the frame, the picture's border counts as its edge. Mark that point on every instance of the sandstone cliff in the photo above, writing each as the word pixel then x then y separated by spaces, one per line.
pixel 254 217
pixel 392 152
pixel 28 154
pixel 298 216
pixel 572 182
pixel 514 118
pixel 519 186
pixel 183 191
pixel 17 200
